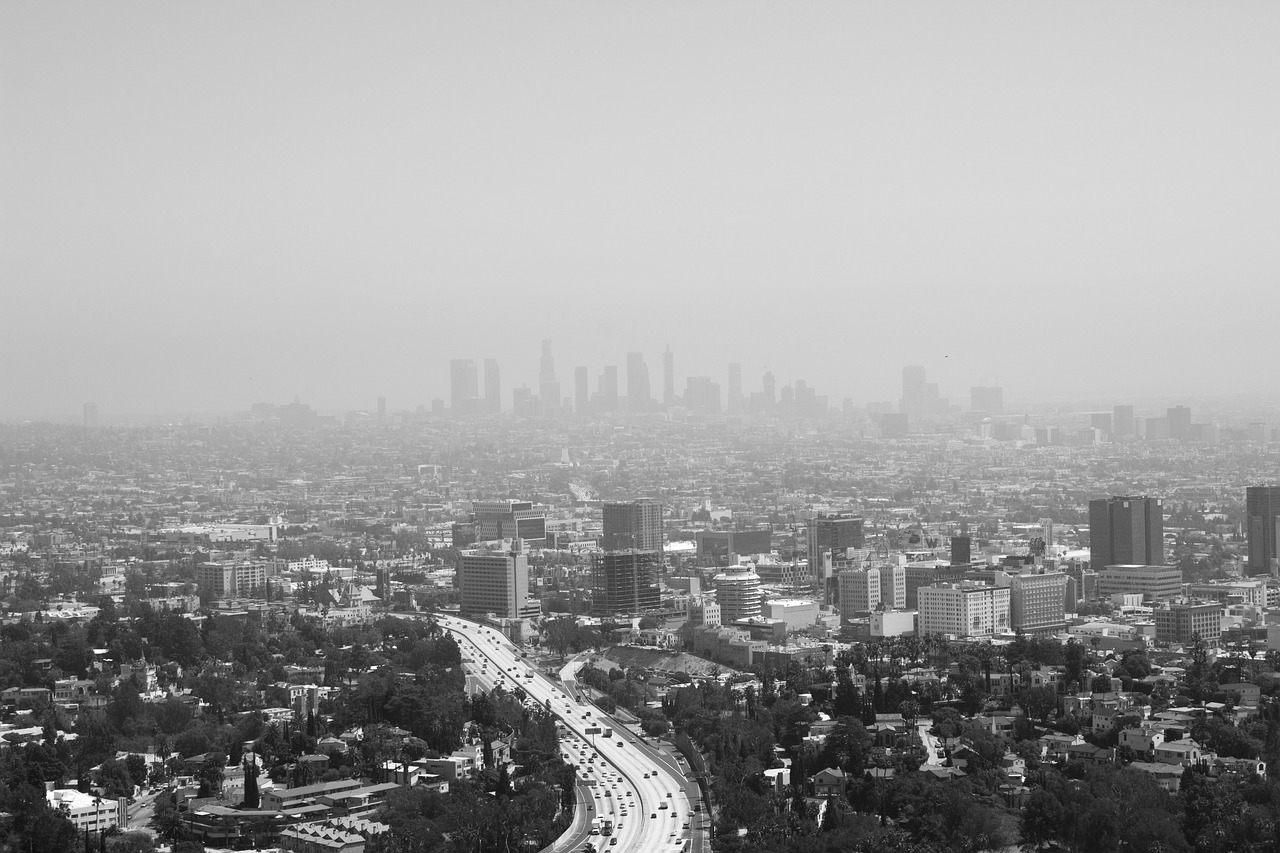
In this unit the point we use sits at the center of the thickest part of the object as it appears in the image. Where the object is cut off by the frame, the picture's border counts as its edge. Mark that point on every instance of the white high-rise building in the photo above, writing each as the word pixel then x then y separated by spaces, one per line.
pixel 963 610
pixel 495 582
pixel 859 591
pixel 737 593
pixel 863 590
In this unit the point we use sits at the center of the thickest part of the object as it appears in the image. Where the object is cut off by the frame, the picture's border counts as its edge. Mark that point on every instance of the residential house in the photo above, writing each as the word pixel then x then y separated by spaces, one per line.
pixel 831 782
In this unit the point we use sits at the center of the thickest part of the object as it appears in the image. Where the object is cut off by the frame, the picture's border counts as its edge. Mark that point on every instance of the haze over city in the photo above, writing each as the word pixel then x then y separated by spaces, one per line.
pixel 210 205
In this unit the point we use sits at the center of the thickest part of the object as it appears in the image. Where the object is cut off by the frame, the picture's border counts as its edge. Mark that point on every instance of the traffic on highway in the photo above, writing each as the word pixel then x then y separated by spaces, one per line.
pixel 637 803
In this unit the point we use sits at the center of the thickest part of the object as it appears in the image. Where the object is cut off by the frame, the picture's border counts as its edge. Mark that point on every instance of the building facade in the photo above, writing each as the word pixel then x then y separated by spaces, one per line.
pixel 1262 506
pixel 494 582
pixel 1155 583
pixel 230 580
pixel 625 582
pixel 1037 602
pixel 1180 621
pixel 1126 531
pixel 738 593
pixel 632 525
pixel 496 520
pixel 962 610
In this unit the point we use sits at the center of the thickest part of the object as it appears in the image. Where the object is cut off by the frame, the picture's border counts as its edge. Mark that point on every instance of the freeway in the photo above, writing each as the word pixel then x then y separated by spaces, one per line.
pixel 645 798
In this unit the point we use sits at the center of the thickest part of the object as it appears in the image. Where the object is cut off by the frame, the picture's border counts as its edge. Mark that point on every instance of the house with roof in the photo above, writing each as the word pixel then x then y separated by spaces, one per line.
pixel 831 782
pixel 1167 776
pixel 1185 753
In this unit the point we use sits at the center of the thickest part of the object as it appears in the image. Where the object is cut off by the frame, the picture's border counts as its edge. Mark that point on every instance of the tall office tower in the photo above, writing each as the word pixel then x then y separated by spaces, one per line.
pixel 1037 603
pixel 735 389
pixel 770 388
pixel 961 553
pixel 625 582
pixel 548 387
pixel 494 582
pixel 492 387
pixel 702 396
pixel 1103 422
pixel 1179 422
pixel 986 398
pixel 382 408
pixel 1126 531
pixel 581 393
pixel 463 386
pixel 632 524
pixel 913 390
pixel 831 535
pixel 639 398
pixel 859 591
pixel 607 390
pixel 522 402
pixel 90 415
pixel 668 377
pixel 1262 506
pixel 1122 420
pixel 737 593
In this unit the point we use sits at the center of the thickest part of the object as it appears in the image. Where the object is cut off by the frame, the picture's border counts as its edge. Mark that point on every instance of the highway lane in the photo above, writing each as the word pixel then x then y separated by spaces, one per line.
pixel 650 791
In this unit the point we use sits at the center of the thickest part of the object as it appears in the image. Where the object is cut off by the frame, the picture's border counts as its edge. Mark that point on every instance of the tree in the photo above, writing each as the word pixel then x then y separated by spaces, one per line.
pixel 251 798
pixel 1038 702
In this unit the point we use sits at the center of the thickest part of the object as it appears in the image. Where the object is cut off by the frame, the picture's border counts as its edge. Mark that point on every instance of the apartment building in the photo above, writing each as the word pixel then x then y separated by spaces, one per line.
pixel 963 610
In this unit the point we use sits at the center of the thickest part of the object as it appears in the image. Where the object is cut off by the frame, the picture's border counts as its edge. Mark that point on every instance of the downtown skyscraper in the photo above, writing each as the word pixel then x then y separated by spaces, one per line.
pixel 639 398
pixel 548 386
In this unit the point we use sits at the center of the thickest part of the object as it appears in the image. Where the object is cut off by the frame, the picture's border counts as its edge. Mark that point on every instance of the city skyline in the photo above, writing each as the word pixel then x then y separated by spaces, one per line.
pixel 334 217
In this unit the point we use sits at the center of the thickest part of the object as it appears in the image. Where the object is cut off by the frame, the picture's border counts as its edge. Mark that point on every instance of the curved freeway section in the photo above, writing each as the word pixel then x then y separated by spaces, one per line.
pixel 644 800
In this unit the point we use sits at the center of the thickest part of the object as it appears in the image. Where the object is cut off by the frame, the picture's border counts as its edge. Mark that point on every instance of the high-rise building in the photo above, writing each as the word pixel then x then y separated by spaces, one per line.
pixel 963 610
pixel 607 390
pixel 632 525
pixel 737 593
pixel 548 387
pixel 625 582
pixel 913 390
pixel 735 389
pixel 492 387
pixel 639 398
pixel 90 415
pixel 496 520
pixel 668 377
pixel 859 591
pixel 702 396
pixel 1153 583
pixel 463 386
pixel 495 582
pixel 522 402
pixel 989 399
pixel 1122 421
pixel 382 408
pixel 831 535
pixel 1126 531
pixel 1037 602
pixel 769 387
pixel 961 550
pixel 581 392
pixel 1262 507
pixel 1179 422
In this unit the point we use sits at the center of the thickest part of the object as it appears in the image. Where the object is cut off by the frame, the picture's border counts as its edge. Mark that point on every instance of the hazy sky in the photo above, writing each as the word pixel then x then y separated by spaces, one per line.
pixel 210 204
